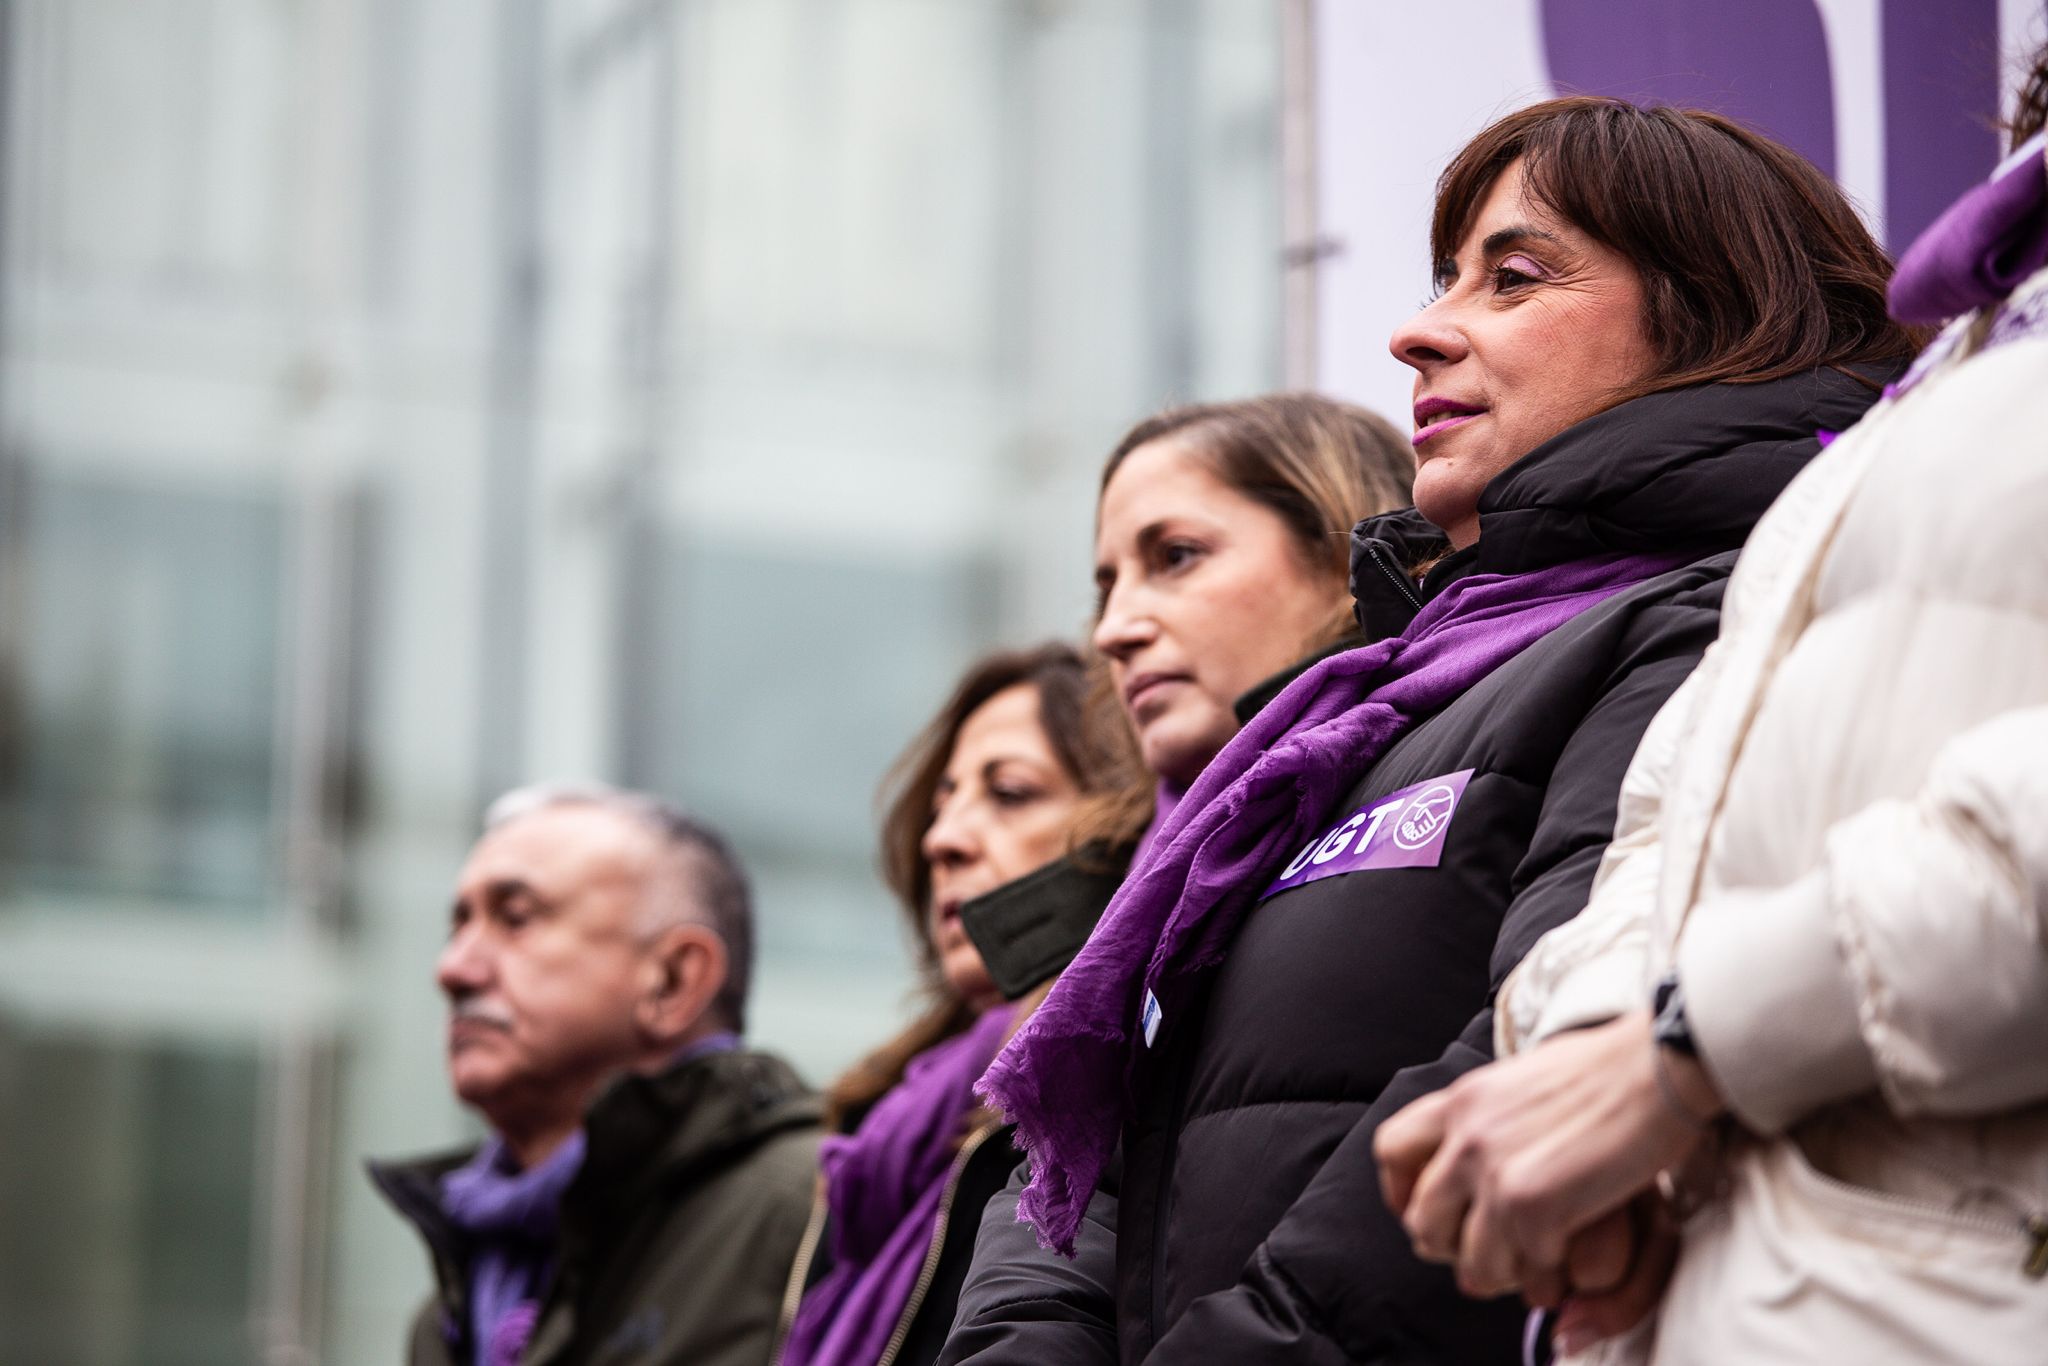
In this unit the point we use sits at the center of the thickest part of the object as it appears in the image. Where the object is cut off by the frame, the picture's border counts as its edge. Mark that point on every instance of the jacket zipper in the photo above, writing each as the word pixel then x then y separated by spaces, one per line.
pixel 799 1272
pixel 930 1271
pixel 2032 1224
pixel 1399 579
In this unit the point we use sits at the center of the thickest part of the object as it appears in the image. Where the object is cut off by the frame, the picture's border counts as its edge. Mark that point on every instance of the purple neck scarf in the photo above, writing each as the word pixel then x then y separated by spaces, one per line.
pixel 1066 1078
pixel 1988 241
pixel 723 1042
pixel 884 1184
pixel 512 1217
pixel 1164 804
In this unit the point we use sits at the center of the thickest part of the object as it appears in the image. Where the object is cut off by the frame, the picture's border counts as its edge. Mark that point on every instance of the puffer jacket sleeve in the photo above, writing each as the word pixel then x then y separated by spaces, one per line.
pixel 1596 965
pixel 1024 1306
pixel 1337 1281
pixel 1912 959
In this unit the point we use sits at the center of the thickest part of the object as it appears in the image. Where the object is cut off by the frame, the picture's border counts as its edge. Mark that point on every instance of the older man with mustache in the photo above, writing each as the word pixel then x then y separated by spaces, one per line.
pixel 647 1178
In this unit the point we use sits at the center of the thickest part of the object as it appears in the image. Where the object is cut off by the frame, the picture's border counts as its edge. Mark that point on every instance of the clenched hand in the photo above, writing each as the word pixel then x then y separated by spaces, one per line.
pixel 1524 1174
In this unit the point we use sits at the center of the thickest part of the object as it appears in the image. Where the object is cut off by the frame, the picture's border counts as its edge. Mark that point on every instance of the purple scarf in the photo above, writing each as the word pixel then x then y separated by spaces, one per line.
pixel 1164 804
pixel 1988 241
pixel 884 1184
pixel 1066 1078
pixel 512 1217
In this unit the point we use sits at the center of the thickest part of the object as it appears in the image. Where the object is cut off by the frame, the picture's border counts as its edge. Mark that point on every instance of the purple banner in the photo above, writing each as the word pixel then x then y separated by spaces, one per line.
pixel 1404 829
pixel 1940 107
pixel 1764 62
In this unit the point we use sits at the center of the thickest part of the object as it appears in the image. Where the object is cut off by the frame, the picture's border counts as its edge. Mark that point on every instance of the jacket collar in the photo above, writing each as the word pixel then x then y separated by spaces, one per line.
pixel 1690 470
pixel 652 1132
pixel 413 1188
pixel 644 1133
pixel 1253 702
pixel 1384 552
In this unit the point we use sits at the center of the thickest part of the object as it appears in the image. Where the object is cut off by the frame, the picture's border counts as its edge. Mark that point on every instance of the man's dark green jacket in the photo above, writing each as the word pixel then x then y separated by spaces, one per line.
pixel 677 1234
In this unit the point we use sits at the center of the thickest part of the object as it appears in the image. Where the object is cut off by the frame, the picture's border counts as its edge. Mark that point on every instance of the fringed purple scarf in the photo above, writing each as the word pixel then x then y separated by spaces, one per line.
pixel 512 1216
pixel 1066 1078
pixel 884 1184
pixel 1164 802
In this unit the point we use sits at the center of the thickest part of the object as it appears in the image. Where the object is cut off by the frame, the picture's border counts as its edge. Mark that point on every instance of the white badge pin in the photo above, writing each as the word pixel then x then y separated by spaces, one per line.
pixel 1149 1017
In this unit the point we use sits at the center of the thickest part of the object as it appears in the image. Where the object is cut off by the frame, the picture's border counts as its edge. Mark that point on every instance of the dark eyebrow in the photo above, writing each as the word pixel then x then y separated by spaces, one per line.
pixel 1509 236
pixel 1446 273
pixel 1151 536
pixel 995 765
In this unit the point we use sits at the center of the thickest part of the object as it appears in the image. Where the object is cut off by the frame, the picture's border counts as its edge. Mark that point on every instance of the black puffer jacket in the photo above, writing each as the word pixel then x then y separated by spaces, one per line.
pixel 1247 1224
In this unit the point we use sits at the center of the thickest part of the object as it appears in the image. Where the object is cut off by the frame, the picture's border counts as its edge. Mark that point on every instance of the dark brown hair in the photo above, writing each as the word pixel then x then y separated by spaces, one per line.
pixel 1092 746
pixel 1754 265
pixel 2030 106
pixel 1321 464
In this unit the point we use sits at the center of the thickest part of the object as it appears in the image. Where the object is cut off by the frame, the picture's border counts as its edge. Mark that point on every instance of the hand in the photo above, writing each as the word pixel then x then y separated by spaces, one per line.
pixel 1593 1313
pixel 1498 1171
pixel 1615 1272
pixel 1598 1259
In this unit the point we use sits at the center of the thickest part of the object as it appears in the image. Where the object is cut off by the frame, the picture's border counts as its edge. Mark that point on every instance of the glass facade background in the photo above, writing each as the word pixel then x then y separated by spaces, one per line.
pixel 402 399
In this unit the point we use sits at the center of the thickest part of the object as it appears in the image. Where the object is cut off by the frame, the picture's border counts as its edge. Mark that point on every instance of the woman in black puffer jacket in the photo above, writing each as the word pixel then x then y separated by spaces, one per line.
pixel 1645 318
pixel 1022 764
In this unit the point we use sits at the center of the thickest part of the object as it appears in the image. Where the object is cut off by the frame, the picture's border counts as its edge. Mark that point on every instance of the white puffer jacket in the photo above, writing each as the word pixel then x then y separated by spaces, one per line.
pixel 1838 830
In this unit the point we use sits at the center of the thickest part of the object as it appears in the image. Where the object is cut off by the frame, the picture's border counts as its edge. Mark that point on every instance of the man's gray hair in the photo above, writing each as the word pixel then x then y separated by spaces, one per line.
pixel 723 900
